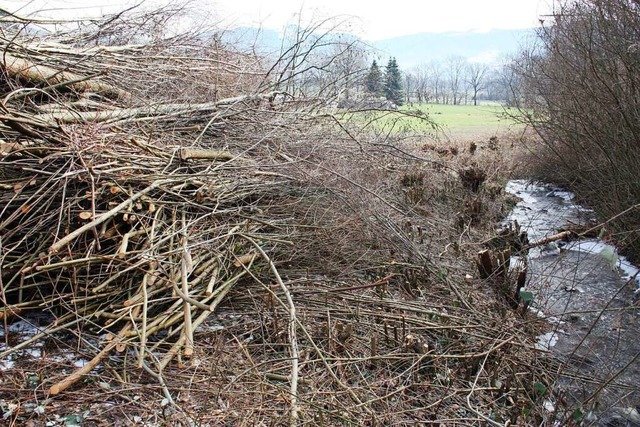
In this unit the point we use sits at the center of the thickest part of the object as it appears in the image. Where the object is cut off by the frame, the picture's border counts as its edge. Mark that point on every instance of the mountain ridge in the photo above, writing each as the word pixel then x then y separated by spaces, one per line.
pixel 411 50
pixel 486 47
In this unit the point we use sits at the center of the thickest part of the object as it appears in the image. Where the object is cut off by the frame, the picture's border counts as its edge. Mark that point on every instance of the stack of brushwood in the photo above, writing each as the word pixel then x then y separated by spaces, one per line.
pixel 126 212
pixel 152 183
pixel 130 237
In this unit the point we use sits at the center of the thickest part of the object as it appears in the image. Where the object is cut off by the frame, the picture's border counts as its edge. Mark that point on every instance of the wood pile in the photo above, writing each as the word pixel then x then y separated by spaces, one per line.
pixel 131 214
pixel 150 184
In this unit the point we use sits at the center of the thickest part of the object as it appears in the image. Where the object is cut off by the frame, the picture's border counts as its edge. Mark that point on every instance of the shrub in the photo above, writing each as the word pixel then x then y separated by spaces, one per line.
pixel 581 87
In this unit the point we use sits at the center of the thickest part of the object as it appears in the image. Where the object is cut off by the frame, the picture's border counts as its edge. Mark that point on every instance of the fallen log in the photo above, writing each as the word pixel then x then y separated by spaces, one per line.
pixel 549 239
pixel 151 111
pixel 38 73
pixel 192 153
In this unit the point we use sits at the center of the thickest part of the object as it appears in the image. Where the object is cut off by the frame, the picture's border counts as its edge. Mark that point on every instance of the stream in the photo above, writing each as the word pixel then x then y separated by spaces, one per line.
pixel 590 297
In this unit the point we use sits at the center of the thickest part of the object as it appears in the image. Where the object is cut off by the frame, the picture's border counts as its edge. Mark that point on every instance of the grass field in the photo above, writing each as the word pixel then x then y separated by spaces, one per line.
pixel 468 121
pixel 460 122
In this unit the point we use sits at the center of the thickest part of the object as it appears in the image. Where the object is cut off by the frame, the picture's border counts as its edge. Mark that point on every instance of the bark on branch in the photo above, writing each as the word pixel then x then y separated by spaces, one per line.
pixel 39 73
pixel 152 111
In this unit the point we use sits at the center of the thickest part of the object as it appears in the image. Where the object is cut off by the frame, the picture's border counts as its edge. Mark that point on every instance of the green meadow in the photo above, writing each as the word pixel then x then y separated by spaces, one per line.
pixel 469 121
pixel 457 122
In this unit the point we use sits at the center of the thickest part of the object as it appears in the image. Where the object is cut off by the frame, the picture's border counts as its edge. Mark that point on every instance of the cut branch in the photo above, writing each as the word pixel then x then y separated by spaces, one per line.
pixel 39 73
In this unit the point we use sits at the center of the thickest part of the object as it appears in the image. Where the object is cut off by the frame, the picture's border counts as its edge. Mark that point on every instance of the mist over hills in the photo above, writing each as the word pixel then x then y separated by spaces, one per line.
pixel 262 40
pixel 486 47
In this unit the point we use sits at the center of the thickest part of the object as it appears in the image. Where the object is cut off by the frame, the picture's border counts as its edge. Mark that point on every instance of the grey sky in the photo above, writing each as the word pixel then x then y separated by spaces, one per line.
pixel 372 19
pixel 383 19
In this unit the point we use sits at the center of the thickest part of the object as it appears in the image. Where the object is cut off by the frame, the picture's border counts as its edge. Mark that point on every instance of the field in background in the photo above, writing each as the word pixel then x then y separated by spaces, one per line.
pixel 464 122
pixel 444 122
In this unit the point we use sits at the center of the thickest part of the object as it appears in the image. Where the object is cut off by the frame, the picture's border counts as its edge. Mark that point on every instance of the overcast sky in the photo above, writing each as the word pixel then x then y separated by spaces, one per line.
pixel 373 20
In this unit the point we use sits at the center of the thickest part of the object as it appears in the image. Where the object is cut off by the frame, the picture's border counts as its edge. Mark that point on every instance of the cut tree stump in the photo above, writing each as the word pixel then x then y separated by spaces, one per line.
pixel 492 264
pixel 495 266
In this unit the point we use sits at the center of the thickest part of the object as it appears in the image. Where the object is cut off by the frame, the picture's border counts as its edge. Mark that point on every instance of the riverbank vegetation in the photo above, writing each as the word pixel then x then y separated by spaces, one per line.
pixel 195 239
pixel 582 83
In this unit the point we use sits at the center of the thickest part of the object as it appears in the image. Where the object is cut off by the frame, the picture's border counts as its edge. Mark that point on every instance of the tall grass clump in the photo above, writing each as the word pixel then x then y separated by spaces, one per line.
pixel 582 84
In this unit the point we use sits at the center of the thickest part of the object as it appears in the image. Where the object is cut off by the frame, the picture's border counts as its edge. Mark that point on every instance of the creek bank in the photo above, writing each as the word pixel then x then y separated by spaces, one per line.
pixel 589 296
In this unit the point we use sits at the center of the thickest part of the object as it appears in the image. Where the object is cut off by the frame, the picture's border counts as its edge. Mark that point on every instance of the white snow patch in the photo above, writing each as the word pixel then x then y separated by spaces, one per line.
pixel 6 364
pixel 546 341
pixel 549 406
pixel 34 352
pixel 206 327
pixel 80 363
pixel 22 327
pixel 537 312
pixel 554 319
pixel 596 246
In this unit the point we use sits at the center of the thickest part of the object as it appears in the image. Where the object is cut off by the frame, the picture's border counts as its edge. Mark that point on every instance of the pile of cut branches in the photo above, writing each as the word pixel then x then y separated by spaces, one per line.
pixel 133 239
pixel 148 181
pixel 135 215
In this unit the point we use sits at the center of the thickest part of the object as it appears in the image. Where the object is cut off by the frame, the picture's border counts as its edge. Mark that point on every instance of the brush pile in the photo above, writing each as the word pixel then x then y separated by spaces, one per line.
pixel 125 211
pixel 136 211
pixel 148 181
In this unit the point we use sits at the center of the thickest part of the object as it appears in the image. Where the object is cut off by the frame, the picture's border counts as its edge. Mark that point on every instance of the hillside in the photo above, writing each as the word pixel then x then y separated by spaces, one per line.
pixel 486 47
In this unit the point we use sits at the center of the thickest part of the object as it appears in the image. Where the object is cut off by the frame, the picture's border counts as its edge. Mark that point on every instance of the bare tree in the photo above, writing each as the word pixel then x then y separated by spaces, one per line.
pixel 349 65
pixel 583 85
pixel 437 82
pixel 455 68
pixel 476 78
pixel 502 83
pixel 410 87
pixel 420 76
pixel 315 62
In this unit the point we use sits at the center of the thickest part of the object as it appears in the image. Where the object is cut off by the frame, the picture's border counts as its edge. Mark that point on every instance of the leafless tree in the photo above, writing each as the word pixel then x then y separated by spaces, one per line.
pixel 437 82
pixel 421 74
pixel 409 86
pixel 455 69
pixel 316 61
pixel 349 64
pixel 476 79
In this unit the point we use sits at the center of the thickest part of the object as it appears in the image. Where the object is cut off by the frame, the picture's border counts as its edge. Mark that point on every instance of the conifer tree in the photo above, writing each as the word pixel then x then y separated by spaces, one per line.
pixel 393 83
pixel 373 81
